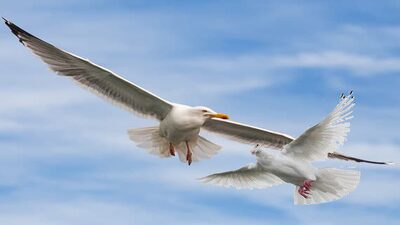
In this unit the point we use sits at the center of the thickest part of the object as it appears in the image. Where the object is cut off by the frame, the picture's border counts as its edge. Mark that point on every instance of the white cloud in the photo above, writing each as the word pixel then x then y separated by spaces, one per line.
pixel 357 63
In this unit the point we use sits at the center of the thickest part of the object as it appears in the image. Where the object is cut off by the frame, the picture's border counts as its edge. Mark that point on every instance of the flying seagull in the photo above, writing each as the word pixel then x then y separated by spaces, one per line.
pixel 179 124
pixel 293 164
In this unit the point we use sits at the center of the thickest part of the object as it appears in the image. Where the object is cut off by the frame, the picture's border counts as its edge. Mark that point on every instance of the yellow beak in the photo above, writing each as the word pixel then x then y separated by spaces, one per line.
pixel 220 115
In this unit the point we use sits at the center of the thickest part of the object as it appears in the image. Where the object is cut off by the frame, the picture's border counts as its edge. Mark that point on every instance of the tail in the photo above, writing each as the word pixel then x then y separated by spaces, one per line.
pixel 201 149
pixel 331 184
pixel 149 138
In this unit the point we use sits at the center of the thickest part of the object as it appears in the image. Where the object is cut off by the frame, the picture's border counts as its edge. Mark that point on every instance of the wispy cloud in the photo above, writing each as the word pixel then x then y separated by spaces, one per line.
pixel 356 63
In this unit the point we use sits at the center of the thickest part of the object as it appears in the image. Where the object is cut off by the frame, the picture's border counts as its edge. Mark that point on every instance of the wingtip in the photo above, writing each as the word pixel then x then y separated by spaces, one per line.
pixel 204 180
pixel 6 21
pixel 200 179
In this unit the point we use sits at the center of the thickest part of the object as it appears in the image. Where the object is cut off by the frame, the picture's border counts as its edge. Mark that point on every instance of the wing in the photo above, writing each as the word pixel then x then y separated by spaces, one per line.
pixel 337 155
pixel 328 135
pixel 247 134
pixel 97 79
pixel 248 177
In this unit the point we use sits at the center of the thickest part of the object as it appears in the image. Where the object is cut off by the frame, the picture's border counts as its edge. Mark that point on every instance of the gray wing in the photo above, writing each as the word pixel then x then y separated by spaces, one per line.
pixel 247 134
pixel 97 79
pixel 248 177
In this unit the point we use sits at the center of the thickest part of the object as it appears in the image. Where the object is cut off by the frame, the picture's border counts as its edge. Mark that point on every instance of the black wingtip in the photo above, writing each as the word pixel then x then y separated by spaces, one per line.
pixel 6 21
pixel 17 31
pixel 9 24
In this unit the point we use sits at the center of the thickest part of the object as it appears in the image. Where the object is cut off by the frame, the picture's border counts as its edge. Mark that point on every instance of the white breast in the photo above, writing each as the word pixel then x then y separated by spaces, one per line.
pixel 181 124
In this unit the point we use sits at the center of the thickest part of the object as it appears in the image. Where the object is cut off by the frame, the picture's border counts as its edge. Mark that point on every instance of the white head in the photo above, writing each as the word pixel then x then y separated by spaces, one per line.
pixel 209 113
pixel 259 152
pixel 256 150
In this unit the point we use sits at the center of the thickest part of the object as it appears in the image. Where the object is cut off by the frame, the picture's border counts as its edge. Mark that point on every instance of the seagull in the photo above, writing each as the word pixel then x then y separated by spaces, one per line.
pixel 293 164
pixel 179 126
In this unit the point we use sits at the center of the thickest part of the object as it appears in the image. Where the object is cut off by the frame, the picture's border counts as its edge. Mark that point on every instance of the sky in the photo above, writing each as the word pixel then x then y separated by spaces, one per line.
pixel 65 157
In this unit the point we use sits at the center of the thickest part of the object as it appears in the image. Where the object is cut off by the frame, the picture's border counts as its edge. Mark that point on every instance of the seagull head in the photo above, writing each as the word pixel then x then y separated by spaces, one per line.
pixel 256 150
pixel 260 153
pixel 209 113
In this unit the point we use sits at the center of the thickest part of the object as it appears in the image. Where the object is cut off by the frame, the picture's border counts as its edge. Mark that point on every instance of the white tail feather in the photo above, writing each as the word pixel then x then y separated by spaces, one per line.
pixel 149 138
pixel 331 184
pixel 201 149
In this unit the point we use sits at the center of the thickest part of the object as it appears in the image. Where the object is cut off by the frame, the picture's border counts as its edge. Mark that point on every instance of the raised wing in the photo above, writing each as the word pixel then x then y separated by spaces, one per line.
pixel 247 134
pixel 325 137
pixel 97 79
pixel 248 177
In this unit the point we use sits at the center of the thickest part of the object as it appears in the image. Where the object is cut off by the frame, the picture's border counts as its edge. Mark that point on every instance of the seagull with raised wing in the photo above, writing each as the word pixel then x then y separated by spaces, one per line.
pixel 179 126
pixel 293 164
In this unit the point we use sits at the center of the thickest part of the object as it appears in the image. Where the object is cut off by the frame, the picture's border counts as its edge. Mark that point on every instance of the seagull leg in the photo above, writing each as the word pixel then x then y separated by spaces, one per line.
pixel 304 190
pixel 188 154
pixel 307 185
pixel 171 149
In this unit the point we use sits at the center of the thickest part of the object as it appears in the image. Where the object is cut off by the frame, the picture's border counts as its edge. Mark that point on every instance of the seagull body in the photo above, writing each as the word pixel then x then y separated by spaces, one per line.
pixel 286 168
pixel 293 164
pixel 182 123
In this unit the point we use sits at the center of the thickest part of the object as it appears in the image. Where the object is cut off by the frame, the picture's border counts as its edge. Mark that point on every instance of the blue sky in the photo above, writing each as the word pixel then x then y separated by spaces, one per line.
pixel 65 157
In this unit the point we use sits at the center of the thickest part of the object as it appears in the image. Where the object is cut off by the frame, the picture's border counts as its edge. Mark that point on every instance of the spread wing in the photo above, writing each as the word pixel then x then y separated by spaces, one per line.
pixel 325 137
pixel 248 177
pixel 97 79
pixel 247 134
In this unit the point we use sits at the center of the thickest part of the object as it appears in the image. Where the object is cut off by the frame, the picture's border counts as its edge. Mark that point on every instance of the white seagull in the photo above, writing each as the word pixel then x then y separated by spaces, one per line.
pixel 179 126
pixel 293 164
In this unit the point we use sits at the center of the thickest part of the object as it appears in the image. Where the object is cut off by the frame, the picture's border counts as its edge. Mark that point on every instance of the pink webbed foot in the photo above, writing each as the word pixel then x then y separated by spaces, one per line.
pixel 304 190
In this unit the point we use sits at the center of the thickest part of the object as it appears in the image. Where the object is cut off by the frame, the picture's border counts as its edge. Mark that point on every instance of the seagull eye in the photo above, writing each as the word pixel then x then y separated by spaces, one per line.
pixel 204 110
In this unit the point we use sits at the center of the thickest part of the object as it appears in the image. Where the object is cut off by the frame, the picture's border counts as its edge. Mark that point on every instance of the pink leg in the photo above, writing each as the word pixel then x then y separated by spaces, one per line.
pixel 304 190
pixel 188 154
pixel 307 184
pixel 171 149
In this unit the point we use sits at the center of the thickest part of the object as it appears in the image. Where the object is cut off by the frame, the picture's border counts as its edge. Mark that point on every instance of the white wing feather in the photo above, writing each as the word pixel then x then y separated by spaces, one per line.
pixel 248 177
pixel 325 137
pixel 97 79
pixel 247 134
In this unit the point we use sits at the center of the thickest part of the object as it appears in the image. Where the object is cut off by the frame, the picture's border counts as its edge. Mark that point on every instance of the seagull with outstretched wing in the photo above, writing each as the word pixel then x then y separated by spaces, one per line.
pixel 179 126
